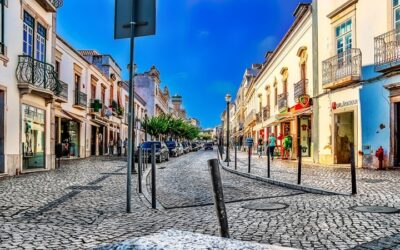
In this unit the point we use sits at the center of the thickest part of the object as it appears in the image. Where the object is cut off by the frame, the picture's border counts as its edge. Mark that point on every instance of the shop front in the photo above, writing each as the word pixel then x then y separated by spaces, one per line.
pixel 33 137
pixel 70 134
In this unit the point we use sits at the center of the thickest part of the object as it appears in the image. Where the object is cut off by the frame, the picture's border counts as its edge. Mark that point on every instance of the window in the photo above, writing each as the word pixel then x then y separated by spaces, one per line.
pixel 343 37
pixel 41 43
pixel 396 14
pixel 276 96
pixel 111 93
pixel 93 91
pixel 57 69
pixel 77 82
pixel 2 26
pixel 29 24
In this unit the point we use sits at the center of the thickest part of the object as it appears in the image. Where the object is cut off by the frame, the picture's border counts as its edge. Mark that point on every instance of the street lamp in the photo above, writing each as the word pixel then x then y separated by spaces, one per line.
pixel 228 101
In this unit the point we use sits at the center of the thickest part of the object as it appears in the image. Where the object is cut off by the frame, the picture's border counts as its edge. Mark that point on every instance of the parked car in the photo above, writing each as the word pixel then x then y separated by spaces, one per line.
pixel 186 147
pixel 162 151
pixel 174 148
pixel 182 151
pixel 194 147
pixel 208 146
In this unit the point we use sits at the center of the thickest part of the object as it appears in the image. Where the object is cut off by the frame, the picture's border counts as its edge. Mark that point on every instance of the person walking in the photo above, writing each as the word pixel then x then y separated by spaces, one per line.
pixel 272 145
pixel 119 146
pixel 111 146
pixel 126 146
pixel 259 149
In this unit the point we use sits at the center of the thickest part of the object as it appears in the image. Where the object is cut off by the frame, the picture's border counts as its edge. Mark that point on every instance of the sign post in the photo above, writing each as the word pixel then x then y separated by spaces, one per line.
pixel 250 142
pixel 133 18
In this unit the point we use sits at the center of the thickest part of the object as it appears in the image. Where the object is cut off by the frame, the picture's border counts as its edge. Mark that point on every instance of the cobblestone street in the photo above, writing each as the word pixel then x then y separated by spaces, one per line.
pixel 82 205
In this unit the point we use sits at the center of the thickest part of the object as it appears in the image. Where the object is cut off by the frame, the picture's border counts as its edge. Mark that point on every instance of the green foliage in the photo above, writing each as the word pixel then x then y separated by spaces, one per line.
pixel 172 127
pixel 120 110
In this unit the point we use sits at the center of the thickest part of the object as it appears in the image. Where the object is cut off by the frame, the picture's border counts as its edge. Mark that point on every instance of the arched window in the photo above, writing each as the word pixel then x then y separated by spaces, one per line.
pixel 302 53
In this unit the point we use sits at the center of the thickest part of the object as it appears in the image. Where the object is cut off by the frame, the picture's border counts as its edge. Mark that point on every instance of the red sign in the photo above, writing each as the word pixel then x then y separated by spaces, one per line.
pixel 333 105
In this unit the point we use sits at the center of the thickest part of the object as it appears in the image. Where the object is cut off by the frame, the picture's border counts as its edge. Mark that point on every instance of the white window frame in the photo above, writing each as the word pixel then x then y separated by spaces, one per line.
pixel 34 44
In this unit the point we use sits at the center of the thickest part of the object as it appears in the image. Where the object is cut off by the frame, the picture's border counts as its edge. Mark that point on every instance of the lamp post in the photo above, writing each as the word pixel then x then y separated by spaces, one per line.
pixel 228 101
pixel 145 127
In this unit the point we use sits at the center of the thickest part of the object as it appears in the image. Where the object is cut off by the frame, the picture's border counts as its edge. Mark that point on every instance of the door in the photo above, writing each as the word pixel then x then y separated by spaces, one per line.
pixel 397 134
pixel 93 141
pixel 2 140
pixel 344 136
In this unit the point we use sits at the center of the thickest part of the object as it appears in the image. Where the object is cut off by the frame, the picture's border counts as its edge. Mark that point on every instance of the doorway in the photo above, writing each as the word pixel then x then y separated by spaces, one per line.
pixel 2 125
pixel 344 137
pixel 93 141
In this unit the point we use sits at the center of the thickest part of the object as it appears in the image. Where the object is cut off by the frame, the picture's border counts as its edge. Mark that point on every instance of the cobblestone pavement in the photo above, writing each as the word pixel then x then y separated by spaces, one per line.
pixel 372 183
pixel 82 205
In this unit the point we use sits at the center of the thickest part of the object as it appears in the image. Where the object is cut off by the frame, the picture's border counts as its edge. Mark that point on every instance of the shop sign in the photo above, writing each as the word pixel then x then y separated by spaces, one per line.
pixel 304 101
pixel 343 104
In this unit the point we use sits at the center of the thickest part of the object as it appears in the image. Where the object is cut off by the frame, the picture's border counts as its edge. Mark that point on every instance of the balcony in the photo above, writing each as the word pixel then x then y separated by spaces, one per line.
pixel 266 113
pixel 342 70
pixel 282 102
pixel 51 5
pixel 63 95
pixel 387 51
pixel 259 117
pixel 250 118
pixel 37 77
pixel 80 100
pixel 300 88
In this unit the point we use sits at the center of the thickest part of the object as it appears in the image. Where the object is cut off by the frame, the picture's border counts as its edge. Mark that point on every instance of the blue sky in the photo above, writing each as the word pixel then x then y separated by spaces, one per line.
pixel 201 47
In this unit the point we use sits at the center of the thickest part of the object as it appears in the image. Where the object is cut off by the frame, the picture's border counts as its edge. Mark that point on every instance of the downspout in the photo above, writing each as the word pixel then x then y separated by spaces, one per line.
pixel 315 58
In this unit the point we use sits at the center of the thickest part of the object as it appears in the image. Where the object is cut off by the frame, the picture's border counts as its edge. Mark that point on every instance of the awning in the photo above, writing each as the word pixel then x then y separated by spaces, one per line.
pixel 306 111
pixel 75 117
pixel 59 113
pixel 92 123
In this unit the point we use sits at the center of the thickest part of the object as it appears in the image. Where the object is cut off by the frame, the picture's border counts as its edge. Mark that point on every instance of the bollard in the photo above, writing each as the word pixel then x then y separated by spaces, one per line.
pixel 353 170
pixel 235 157
pixel 153 176
pixel 299 165
pixel 140 163
pixel 249 159
pixel 219 202
pixel 268 163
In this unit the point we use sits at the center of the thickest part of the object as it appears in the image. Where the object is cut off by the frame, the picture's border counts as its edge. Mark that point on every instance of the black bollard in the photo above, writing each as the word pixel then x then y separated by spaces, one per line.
pixel 153 176
pixel 235 157
pixel 353 170
pixel 218 196
pixel 268 163
pixel 299 165
pixel 140 163
pixel 249 160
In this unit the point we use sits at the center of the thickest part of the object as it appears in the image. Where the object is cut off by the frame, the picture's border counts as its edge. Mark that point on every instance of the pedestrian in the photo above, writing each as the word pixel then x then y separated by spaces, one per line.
pixel 126 146
pixel 111 146
pixel 272 145
pixel 119 146
pixel 259 149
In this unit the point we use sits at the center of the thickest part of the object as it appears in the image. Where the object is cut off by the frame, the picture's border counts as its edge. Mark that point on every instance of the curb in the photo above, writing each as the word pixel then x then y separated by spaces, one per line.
pixel 282 183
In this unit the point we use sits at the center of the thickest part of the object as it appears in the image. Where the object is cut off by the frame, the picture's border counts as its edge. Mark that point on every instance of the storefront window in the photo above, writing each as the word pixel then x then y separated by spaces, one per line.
pixel 33 137
pixel 70 138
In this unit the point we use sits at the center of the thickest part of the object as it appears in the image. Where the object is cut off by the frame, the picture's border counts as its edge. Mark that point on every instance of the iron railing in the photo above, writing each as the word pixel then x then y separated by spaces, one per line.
pixel 300 88
pixel 266 113
pixel 80 99
pixel 2 50
pixel 387 50
pixel 64 90
pixel 57 3
pixel 38 74
pixel 346 64
pixel 282 101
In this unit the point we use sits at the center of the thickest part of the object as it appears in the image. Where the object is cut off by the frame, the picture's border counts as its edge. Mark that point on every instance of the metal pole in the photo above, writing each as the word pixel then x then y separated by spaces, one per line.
pixel 268 163
pixel 140 170
pixel 219 202
pixel 249 159
pixel 153 176
pixel 227 135
pixel 131 116
pixel 145 127
pixel 353 170
pixel 235 157
pixel 299 166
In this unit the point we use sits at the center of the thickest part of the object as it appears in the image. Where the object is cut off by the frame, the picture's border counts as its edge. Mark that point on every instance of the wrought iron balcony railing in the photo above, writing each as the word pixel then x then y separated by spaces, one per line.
pixel 2 49
pixel 282 101
pixel 57 3
pixel 259 117
pixel 64 90
pixel 38 74
pixel 387 50
pixel 343 68
pixel 80 99
pixel 300 88
pixel 266 113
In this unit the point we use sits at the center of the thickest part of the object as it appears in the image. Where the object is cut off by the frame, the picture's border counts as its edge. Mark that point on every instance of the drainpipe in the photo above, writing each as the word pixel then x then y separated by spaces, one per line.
pixel 315 58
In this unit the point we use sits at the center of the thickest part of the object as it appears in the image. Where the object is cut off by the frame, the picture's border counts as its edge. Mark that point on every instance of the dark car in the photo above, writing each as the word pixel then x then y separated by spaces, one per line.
pixel 162 151
pixel 186 147
pixel 194 147
pixel 174 148
pixel 208 146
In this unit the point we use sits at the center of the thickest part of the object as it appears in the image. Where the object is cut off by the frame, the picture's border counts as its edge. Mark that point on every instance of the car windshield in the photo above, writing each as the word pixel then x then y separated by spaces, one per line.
pixel 147 145
pixel 171 144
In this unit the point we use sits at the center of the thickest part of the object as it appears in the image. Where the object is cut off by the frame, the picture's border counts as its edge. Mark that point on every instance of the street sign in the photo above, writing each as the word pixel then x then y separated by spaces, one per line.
pixel 144 15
